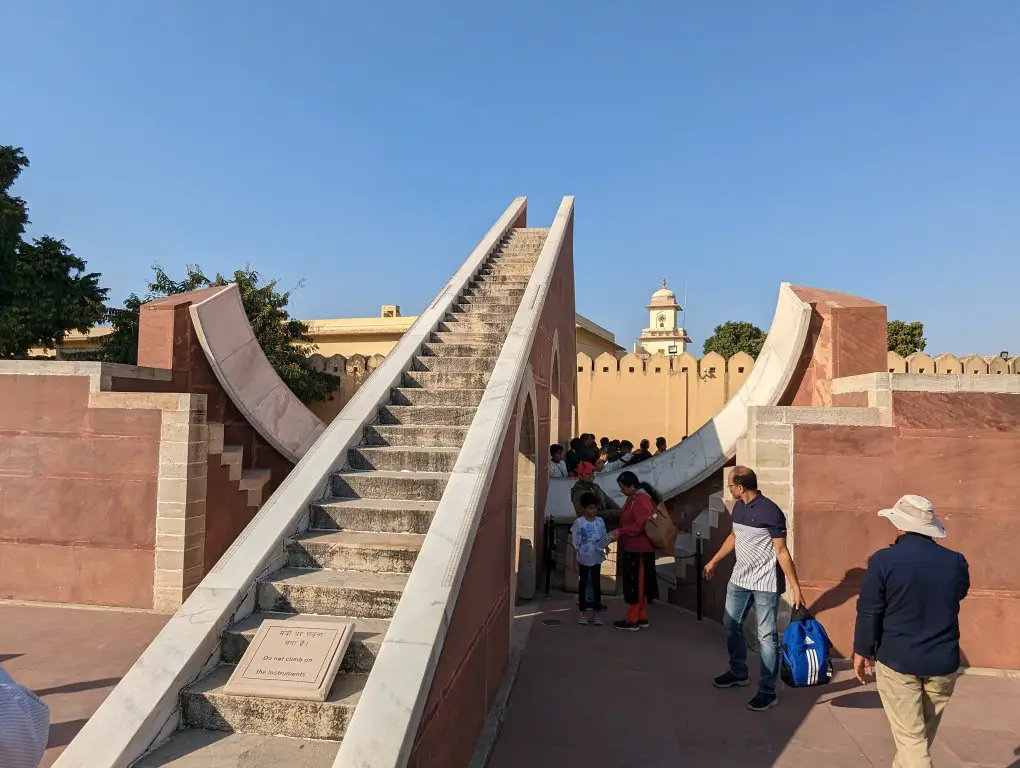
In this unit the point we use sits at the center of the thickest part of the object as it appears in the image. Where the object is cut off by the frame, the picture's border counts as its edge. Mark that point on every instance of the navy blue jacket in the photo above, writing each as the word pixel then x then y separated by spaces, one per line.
pixel 909 607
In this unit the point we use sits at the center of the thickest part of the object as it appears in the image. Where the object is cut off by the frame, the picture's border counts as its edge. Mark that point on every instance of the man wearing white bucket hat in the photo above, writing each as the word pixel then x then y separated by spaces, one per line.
pixel 908 627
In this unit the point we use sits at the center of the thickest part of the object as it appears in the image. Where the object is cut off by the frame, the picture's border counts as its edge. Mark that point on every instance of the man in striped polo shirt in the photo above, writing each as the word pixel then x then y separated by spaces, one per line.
pixel 763 566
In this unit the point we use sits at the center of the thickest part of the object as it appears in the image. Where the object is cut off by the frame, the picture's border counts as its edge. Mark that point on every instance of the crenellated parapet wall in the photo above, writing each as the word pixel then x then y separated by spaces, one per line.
pixel 946 363
pixel 647 396
pixel 352 372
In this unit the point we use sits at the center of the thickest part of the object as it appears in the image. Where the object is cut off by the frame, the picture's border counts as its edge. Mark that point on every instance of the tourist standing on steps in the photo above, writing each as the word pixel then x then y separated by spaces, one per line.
pixel 762 562
pixel 908 627
pixel 637 554
pixel 24 725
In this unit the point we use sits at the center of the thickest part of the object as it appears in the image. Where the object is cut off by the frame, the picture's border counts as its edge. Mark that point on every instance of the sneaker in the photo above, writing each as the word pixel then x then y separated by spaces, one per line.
pixel 626 625
pixel 583 621
pixel 729 680
pixel 763 701
pixel 643 623
pixel 598 621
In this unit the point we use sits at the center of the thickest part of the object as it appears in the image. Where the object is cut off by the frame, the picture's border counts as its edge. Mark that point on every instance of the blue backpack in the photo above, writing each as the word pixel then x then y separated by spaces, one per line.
pixel 806 651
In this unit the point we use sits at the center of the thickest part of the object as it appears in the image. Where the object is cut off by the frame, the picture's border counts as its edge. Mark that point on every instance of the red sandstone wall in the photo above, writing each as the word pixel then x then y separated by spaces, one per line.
pixel 77 495
pixel 962 451
pixel 477 644
pixel 167 339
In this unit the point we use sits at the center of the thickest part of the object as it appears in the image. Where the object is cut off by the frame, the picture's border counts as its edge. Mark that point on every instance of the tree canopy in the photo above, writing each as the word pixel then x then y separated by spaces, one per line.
pixel 735 336
pixel 283 339
pixel 45 290
pixel 906 338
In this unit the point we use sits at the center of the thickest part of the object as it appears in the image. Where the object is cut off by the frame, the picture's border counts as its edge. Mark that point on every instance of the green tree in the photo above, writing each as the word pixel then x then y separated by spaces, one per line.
pixel 44 288
pixel 905 338
pixel 735 336
pixel 283 339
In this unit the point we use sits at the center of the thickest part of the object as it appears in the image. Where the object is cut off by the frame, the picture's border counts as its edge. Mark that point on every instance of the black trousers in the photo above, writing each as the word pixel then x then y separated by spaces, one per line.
pixel 589 586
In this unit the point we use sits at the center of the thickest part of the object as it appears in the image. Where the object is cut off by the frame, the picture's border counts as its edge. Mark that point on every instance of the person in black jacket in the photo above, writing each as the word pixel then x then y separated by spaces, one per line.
pixel 908 627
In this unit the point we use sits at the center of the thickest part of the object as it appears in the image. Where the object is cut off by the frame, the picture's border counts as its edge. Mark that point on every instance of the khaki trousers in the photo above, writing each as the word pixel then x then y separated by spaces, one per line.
pixel 914 707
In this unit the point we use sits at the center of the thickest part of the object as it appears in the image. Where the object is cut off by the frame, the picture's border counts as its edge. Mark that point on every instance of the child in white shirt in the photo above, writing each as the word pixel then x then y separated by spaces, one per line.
pixel 590 538
pixel 557 466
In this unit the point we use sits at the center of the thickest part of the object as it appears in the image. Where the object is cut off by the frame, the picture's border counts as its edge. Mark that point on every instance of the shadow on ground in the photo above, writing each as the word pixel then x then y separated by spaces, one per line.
pixel 598 696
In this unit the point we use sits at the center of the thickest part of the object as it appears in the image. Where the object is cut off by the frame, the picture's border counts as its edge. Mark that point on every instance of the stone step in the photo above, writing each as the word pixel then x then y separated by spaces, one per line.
pixel 426 435
pixel 451 364
pixel 515 280
pixel 331 593
pixel 475 324
pixel 461 398
pixel 354 551
pixel 499 293
pixel 380 515
pixel 199 748
pixel 461 337
pixel 446 380
pixel 522 268
pixel 496 298
pixel 360 655
pixel 439 416
pixel 484 311
pixel 415 486
pixel 443 349
pixel 403 458
pixel 205 705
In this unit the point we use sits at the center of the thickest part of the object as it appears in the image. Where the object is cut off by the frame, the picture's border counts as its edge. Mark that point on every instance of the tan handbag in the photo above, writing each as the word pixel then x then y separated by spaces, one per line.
pixel 660 530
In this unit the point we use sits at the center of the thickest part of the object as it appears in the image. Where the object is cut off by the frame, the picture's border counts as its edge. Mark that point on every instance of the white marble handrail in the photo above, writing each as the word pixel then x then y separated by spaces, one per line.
pixel 144 709
pixel 382 731
pixel 710 447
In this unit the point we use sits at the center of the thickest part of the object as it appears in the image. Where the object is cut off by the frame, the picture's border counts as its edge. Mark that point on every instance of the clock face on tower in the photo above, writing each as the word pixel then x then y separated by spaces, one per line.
pixel 662 320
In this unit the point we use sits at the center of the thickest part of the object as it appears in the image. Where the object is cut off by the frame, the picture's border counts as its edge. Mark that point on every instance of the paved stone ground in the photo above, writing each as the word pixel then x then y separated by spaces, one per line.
pixel 72 658
pixel 595 696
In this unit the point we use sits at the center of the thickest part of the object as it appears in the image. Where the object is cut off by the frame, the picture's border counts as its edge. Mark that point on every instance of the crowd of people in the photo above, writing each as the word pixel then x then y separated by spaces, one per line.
pixel 907 633
pixel 605 455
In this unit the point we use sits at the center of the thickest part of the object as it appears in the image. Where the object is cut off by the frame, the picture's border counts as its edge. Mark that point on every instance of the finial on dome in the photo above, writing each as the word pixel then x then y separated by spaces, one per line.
pixel 663 282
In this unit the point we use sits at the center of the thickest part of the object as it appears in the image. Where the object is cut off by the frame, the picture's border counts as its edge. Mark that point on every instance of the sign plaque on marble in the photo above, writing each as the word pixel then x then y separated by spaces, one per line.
pixel 295 659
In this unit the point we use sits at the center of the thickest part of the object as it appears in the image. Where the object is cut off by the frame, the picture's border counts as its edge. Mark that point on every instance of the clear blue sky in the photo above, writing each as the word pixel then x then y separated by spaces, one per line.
pixel 366 147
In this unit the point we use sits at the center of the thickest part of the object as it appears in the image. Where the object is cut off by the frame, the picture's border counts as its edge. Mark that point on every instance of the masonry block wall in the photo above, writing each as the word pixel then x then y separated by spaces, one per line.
pixel 962 451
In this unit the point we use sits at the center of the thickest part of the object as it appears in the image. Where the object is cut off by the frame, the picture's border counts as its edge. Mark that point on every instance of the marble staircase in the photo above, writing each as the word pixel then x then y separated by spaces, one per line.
pixel 353 561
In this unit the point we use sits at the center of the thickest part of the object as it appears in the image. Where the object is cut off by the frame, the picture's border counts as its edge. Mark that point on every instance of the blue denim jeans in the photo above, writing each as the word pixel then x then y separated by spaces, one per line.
pixel 766 606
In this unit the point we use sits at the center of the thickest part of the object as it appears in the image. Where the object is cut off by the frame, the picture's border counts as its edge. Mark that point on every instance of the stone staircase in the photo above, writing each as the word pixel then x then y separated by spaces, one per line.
pixel 354 559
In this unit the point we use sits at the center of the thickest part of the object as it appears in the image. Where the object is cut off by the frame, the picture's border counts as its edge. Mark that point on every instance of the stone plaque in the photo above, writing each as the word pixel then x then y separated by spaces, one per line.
pixel 291 660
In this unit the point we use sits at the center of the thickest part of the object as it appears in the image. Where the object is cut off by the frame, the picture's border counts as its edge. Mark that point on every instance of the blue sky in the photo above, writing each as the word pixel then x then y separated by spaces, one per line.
pixel 365 148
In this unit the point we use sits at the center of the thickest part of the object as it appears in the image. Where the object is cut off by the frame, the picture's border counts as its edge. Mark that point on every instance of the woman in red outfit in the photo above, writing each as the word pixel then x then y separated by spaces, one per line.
pixel 637 555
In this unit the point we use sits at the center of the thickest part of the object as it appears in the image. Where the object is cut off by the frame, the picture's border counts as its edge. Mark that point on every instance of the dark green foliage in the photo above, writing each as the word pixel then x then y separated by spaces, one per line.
pixel 44 288
pixel 735 336
pixel 906 338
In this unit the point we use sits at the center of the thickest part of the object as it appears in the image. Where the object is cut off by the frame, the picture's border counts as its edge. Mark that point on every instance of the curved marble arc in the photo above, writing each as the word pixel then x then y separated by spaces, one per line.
pixel 710 447
pixel 248 377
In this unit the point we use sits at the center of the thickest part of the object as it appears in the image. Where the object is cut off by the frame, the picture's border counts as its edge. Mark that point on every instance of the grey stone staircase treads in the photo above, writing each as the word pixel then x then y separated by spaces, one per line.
pixel 418 486
pixel 334 593
pixel 361 545
pixel 205 705
pixel 427 415
pixel 450 364
pixel 446 380
pixel 361 653
pixel 430 434
pixel 402 458
pixel 354 550
pixel 388 515
pixel 200 748
pixel 416 396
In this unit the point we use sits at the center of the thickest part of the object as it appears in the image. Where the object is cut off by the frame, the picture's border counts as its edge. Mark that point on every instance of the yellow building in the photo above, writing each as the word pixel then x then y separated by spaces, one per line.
pixel 360 336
